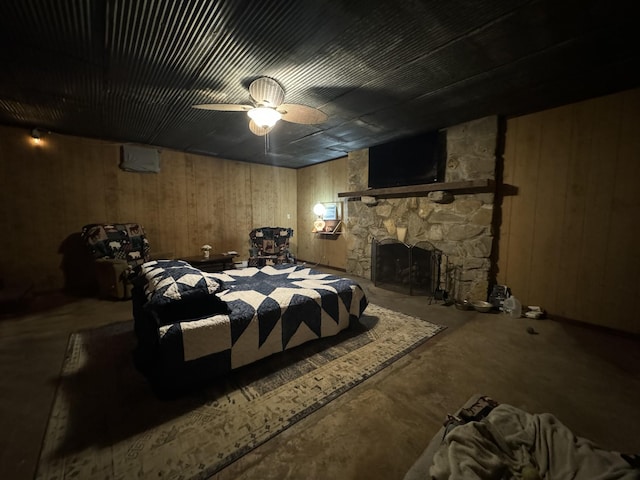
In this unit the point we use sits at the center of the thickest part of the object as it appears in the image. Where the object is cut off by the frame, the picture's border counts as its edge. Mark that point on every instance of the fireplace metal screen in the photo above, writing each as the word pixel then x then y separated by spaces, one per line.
pixel 410 269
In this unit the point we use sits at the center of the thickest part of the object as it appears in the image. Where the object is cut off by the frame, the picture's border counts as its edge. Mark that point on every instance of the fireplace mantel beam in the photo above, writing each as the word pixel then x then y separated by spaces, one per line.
pixel 466 186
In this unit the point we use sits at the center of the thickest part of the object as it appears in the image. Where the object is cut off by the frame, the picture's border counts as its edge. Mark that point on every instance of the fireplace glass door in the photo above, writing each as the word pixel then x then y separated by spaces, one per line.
pixel 408 269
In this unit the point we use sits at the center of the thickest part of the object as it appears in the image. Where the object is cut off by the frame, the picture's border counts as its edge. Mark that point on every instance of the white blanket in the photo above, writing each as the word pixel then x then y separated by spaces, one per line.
pixel 511 443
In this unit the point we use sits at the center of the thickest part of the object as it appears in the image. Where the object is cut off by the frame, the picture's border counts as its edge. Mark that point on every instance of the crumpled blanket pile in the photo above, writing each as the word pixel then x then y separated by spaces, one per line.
pixel 511 443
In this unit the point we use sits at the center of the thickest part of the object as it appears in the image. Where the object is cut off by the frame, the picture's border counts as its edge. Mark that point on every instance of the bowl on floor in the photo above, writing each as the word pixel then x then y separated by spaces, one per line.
pixel 481 306
pixel 463 305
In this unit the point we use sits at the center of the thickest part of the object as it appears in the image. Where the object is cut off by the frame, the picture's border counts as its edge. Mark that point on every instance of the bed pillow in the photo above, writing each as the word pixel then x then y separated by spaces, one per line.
pixel 176 291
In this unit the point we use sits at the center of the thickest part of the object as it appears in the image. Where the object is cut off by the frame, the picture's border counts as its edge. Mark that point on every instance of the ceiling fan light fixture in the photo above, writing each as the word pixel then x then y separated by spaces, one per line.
pixel 264 117
pixel 267 108
pixel 258 130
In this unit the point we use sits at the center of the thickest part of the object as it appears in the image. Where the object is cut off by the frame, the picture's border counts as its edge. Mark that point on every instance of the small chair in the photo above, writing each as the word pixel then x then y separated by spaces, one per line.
pixel 116 249
pixel 270 246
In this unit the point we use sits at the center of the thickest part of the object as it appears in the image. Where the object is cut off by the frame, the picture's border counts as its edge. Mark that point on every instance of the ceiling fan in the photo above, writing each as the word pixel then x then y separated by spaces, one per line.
pixel 267 107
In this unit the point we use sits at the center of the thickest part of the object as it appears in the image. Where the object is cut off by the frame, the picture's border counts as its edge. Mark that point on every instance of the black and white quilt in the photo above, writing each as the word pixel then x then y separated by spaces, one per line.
pixel 174 290
pixel 262 311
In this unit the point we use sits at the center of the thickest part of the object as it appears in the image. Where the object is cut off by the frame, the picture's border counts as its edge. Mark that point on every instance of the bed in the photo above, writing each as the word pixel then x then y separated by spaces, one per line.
pixel 193 326
pixel 485 439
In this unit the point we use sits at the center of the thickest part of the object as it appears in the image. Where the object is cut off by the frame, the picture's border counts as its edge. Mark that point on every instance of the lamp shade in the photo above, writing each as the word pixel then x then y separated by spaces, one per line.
pixel 264 117
pixel 319 209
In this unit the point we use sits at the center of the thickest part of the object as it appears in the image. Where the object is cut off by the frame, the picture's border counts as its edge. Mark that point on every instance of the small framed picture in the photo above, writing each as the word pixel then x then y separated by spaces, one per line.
pixel 332 211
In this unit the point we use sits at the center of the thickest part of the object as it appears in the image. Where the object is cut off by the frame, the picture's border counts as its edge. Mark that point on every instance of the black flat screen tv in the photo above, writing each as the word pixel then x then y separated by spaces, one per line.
pixel 408 161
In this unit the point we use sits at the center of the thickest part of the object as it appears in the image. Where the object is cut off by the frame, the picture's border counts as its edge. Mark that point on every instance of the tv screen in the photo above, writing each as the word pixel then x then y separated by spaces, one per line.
pixel 409 161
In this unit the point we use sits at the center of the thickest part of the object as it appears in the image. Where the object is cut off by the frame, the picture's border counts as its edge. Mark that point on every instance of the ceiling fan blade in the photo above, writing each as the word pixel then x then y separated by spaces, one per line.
pixel 224 107
pixel 297 113
pixel 257 129
pixel 266 91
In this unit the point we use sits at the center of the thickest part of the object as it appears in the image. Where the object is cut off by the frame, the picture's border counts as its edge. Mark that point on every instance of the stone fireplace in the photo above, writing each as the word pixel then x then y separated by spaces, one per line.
pixel 458 224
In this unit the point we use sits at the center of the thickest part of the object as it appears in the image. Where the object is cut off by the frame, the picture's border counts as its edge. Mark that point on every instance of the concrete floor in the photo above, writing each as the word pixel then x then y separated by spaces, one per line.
pixel 588 378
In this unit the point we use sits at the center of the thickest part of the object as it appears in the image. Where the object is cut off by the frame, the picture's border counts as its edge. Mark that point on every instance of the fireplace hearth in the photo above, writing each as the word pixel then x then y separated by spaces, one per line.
pixel 409 269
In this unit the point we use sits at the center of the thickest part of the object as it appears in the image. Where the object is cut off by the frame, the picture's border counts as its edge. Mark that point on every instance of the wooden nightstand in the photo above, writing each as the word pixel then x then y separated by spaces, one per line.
pixel 215 263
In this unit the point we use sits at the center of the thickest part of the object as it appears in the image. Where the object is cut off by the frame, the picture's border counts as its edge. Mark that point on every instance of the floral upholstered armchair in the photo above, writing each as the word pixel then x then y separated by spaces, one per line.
pixel 270 246
pixel 116 248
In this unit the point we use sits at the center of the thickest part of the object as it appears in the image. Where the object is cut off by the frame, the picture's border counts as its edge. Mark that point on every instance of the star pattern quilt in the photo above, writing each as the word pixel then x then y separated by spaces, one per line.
pixel 267 310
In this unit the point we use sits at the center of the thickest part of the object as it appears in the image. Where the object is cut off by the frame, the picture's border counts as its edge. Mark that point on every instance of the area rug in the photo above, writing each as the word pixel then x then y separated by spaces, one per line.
pixel 106 422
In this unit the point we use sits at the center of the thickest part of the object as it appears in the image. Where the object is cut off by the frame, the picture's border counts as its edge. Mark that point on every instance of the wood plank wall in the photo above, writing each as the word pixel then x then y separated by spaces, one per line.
pixel 568 239
pixel 320 183
pixel 48 192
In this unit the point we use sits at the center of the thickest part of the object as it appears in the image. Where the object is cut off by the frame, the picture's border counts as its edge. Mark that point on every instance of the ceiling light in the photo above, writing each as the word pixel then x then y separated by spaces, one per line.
pixel 264 117
pixel 35 134
pixel 257 129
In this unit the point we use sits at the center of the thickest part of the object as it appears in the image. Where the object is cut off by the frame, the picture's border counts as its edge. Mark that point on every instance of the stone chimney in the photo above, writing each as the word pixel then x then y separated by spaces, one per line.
pixel 458 224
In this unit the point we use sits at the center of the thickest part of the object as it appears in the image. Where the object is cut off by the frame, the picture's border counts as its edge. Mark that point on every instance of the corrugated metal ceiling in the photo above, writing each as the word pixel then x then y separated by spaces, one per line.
pixel 129 71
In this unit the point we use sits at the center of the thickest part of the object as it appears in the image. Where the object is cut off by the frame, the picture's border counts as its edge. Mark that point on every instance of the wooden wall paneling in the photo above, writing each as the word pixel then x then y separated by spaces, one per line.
pixel 41 239
pixel 547 267
pixel 140 202
pixel 174 203
pixel 77 201
pixel 322 192
pixel 111 176
pixel 15 190
pixel 181 213
pixel 623 260
pixel 7 242
pixel 74 188
pixel 194 226
pixel 334 252
pixel 508 178
pixel 135 208
pixel 630 131
pixel 96 179
pixel 7 158
pixel 57 211
pixel 209 199
pixel 89 183
pixel 305 215
pixel 288 204
pixel 335 249
pixel 567 241
pixel 127 201
pixel 320 183
pixel 141 209
pixel 30 192
pixel 217 182
pixel 126 208
pixel 525 176
pixel 237 207
pixel 205 209
pixel 173 198
pixel 49 193
pixel 568 290
pixel 150 216
pixel 597 226
pixel 264 191
pixel 279 196
pixel 316 192
pixel 207 202
pixel 40 244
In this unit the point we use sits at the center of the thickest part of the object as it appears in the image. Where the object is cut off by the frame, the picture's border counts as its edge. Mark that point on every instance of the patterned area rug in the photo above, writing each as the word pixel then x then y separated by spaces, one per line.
pixel 106 422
